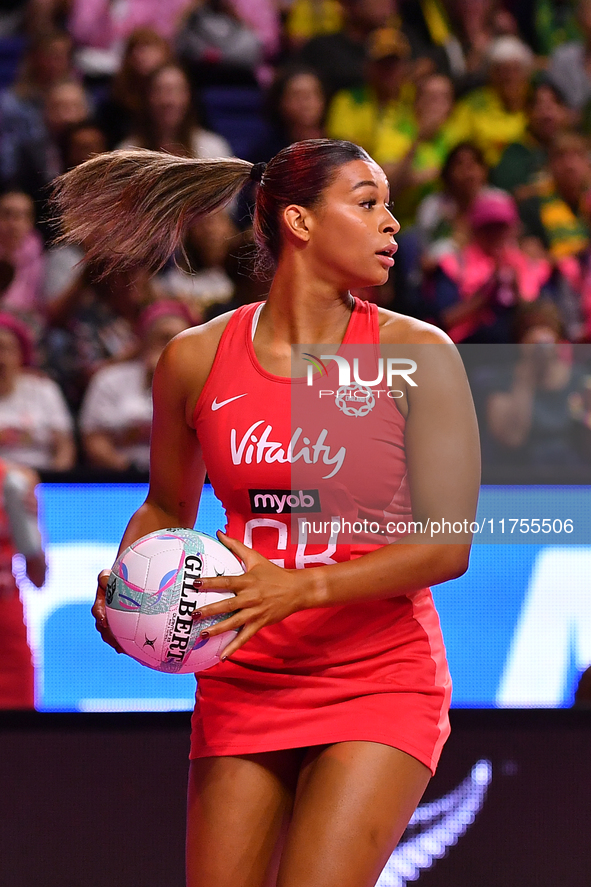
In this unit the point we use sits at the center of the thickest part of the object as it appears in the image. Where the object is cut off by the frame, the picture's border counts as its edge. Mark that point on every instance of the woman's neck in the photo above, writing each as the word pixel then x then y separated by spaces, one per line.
pixel 303 310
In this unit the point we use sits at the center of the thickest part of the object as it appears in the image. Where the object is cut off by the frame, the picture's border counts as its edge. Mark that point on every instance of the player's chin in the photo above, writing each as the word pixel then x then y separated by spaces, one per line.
pixel 372 277
pixel 379 278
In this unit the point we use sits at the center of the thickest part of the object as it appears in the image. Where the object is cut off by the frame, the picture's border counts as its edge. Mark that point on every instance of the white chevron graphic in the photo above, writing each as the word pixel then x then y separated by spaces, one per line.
pixel 437 826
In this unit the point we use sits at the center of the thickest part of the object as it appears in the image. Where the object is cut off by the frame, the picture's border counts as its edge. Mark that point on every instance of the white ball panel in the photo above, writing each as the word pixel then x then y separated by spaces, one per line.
pixel 161 564
pixel 123 623
pixel 149 636
pixel 218 555
pixel 129 647
pixel 134 568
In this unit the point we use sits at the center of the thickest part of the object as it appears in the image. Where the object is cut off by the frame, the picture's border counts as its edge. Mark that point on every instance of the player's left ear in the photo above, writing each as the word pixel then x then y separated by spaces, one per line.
pixel 296 220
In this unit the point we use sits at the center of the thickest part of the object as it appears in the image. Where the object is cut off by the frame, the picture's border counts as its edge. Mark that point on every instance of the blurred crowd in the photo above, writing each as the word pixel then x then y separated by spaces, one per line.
pixel 479 111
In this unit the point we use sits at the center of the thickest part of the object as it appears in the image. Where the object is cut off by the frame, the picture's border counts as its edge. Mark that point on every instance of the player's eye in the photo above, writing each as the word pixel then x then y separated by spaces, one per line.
pixel 369 203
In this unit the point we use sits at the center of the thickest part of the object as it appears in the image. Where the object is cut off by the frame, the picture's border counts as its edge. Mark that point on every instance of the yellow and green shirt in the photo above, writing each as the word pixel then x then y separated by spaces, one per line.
pixel 309 18
pixel 357 116
pixel 482 118
pixel 549 217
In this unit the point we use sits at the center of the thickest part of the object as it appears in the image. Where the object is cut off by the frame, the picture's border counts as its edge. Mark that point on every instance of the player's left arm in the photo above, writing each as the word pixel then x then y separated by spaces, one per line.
pixel 443 461
pixel 442 451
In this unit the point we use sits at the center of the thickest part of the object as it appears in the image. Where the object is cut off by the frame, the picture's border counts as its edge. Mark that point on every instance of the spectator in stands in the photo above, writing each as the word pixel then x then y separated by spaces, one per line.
pixel 412 155
pixel 339 58
pixel 116 415
pixel 494 115
pixel 312 18
pixel 167 121
pixel 264 20
pixel 371 113
pixel 445 213
pixel 296 106
pixel 478 288
pixel 451 36
pixel 199 277
pixel 38 155
pixel 528 413
pixel 47 61
pixel 66 104
pixel 467 35
pixel 145 52
pixel 569 63
pixel 35 425
pixel 555 23
pixel 441 224
pixel 558 211
pixel 22 247
pixel 81 141
pixel 522 161
pixel 572 274
pixel 217 47
pixel 100 28
pixel 93 320
pixel 427 25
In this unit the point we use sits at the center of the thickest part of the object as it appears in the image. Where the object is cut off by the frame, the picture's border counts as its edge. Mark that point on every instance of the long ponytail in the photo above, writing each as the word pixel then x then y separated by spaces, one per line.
pixel 131 207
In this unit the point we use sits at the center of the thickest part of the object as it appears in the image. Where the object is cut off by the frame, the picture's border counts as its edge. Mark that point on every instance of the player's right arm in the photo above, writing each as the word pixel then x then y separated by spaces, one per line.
pixel 177 470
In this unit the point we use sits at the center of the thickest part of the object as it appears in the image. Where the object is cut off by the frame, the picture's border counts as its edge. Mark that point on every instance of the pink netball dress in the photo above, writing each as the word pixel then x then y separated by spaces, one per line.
pixel 373 670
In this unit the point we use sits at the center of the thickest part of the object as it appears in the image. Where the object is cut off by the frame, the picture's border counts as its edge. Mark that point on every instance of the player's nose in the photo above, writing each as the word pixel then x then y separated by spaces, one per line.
pixel 390 224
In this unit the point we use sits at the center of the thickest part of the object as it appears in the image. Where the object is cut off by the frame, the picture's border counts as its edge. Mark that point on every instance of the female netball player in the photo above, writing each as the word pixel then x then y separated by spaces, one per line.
pixel 314 739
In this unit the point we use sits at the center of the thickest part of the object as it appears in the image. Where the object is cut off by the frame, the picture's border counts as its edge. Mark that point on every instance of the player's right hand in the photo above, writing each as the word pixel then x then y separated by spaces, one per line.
pixel 99 611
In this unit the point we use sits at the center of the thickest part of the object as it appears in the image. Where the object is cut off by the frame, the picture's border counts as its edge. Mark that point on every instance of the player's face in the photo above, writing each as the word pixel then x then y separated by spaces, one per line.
pixel 352 233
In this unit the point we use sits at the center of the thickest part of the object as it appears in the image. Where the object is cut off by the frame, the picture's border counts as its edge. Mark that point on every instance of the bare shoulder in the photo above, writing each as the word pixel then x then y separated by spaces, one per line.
pixel 187 360
pixel 400 329
pixel 438 370
pixel 194 350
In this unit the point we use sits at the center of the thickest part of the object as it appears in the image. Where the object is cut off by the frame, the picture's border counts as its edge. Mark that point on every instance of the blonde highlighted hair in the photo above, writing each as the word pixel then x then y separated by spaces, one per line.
pixel 131 207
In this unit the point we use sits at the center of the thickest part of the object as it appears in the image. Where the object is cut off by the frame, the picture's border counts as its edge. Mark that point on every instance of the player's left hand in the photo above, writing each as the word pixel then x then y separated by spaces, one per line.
pixel 264 594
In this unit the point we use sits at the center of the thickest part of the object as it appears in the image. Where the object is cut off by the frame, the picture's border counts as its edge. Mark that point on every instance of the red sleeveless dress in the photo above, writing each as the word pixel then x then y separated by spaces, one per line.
pixel 16 665
pixel 373 670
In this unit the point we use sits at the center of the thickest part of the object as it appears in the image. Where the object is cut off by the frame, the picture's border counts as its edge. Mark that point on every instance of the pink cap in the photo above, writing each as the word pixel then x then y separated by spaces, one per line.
pixel 490 209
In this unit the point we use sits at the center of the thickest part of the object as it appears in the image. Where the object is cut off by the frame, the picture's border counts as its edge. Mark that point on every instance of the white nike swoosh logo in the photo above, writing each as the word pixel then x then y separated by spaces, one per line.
pixel 216 406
